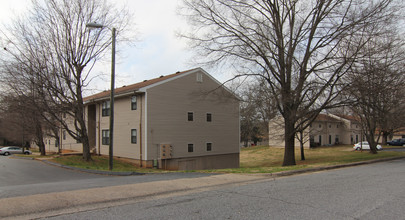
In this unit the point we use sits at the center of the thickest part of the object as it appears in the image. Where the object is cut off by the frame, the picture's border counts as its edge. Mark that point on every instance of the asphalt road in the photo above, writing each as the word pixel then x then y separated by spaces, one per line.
pixel 374 191
pixel 21 177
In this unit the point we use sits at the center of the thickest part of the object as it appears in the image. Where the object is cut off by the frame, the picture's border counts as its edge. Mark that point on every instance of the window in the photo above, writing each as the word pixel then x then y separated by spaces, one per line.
pixel 105 137
pixel 106 108
pixel 320 139
pixel 209 117
pixel 330 139
pixel 190 116
pixel 209 146
pixel 133 102
pixel 320 126
pixel 190 148
pixel 330 126
pixel 337 126
pixel 133 136
pixel 64 135
pixel 337 139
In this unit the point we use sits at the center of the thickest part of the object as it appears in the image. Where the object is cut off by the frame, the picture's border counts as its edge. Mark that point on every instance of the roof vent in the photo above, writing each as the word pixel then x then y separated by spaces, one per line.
pixel 177 72
pixel 145 80
pixel 124 86
pixel 161 76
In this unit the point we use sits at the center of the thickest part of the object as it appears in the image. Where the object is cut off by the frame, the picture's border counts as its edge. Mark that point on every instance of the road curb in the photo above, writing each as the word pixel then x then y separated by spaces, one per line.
pixel 317 169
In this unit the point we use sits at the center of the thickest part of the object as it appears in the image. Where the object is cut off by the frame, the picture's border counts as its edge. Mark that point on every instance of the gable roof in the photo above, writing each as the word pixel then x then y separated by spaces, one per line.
pixel 326 118
pixel 351 118
pixel 134 87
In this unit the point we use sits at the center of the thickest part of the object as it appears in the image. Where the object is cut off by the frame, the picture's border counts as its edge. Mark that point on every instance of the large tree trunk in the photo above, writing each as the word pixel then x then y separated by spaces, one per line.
pixel 289 138
pixel 371 141
pixel 39 137
pixel 302 145
pixel 84 138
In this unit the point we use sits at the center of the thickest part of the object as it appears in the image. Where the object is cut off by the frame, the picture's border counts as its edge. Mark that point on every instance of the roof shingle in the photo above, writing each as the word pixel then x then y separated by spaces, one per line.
pixel 133 87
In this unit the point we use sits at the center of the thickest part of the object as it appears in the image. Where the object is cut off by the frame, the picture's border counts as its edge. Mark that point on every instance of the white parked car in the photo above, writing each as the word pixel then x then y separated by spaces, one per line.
pixel 365 146
pixel 13 150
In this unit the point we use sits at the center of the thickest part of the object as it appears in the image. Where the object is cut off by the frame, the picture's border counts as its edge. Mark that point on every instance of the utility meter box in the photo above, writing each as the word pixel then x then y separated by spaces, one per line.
pixel 166 151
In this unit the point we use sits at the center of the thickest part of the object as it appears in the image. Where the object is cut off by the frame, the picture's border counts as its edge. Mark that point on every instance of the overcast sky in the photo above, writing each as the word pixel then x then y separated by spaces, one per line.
pixel 158 51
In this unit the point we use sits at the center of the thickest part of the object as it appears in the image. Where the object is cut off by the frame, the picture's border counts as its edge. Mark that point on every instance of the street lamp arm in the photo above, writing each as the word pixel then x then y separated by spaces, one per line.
pixel 94 25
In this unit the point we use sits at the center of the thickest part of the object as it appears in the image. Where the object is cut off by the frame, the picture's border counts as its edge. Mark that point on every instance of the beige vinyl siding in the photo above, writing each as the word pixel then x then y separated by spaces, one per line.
pixel 125 120
pixel 167 123
pixel 70 143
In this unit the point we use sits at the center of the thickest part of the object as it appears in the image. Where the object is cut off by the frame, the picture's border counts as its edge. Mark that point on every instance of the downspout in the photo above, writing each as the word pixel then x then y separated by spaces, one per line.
pixel 98 129
pixel 140 133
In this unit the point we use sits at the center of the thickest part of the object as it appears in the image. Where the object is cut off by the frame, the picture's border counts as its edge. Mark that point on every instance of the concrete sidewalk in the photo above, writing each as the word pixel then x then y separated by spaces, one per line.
pixel 51 204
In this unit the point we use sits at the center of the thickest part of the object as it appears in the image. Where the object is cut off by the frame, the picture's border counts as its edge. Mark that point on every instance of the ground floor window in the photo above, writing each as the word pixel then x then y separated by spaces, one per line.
pixel 133 136
pixel 190 148
pixel 209 146
pixel 105 137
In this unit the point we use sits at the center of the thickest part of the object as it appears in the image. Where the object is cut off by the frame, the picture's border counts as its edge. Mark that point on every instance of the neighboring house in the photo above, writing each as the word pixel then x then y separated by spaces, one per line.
pixel 325 130
pixel 399 134
pixel 183 121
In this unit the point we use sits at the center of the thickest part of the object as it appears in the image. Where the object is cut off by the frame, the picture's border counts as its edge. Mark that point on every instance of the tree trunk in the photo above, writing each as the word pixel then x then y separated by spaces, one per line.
pixel 39 136
pixel 289 151
pixel 302 145
pixel 371 142
pixel 86 148
pixel 84 139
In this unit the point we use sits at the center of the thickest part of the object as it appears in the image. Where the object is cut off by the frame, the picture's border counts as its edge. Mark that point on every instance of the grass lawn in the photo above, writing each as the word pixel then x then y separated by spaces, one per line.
pixel 260 159
pixel 101 163
pixel 264 159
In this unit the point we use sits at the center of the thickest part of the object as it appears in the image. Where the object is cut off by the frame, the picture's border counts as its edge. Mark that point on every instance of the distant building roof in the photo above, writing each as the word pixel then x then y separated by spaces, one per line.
pixel 350 117
pixel 133 87
pixel 327 118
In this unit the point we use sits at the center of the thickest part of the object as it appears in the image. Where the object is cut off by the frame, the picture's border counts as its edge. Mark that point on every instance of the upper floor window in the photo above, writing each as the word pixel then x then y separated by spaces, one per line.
pixel 320 126
pixel 133 102
pixel 105 137
pixel 105 108
pixel 190 116
pixel 133 136
pixel 209 117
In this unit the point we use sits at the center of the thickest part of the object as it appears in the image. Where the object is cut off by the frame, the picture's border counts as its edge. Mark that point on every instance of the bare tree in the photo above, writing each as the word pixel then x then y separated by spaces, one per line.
pixel 257 109
pixel 300 48
pixel 19 120
pixel 56 53
pixel 377 81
